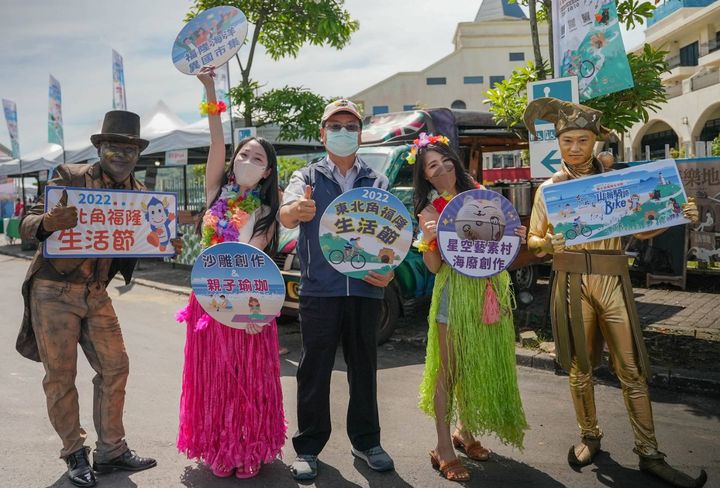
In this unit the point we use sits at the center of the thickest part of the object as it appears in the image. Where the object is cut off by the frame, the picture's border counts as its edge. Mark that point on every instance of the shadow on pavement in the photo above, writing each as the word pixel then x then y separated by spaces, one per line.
pixel 118 479
pixel 503 471
pixel 698 405
pixel 275 474
pixel 380 480
pixel 610 473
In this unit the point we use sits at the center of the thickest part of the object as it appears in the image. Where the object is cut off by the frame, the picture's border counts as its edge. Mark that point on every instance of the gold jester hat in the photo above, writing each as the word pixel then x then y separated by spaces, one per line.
pixel 565 115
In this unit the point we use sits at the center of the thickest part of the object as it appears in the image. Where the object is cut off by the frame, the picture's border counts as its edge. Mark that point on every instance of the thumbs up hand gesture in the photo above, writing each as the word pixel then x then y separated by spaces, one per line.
pixel 429 228
pixel 61 216
pixel 305 206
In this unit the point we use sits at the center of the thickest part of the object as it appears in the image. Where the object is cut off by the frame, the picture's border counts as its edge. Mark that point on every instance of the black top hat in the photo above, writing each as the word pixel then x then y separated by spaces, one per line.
pixel 120 126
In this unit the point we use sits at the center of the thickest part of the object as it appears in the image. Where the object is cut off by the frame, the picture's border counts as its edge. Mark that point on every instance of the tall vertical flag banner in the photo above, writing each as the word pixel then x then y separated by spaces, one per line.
pixel 119 100
pixel 222 84
pixel 588 44
pixel 55 125
pixel 11 118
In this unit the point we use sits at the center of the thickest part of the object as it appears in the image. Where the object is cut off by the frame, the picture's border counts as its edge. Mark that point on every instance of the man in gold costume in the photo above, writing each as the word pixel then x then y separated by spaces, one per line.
pixel 592 300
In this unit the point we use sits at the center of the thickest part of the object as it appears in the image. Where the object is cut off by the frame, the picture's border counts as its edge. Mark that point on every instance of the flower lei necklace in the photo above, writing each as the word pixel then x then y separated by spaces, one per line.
pixel 229 214
pixel 439 201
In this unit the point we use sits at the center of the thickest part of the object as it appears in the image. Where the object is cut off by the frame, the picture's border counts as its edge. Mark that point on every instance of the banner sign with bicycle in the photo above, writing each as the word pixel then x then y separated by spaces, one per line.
pixel 365 229
pixel 588 44
pixel 617 203
pixel 476 233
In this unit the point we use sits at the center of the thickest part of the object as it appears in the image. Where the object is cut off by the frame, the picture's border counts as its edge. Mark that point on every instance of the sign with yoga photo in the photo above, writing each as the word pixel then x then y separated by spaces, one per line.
pixel 113 223
pixel 365 229
pixel 476 233
pixel 238 284
pixel 211 38
pixel 617 203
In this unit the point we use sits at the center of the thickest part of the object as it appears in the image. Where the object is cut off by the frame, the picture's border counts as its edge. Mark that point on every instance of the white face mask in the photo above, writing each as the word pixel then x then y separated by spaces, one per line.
pixel 247 174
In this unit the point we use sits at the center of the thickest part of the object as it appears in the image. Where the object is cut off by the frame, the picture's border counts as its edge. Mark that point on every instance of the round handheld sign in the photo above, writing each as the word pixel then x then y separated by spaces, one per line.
pixel 210 38
pixel 237 284
pixel 365 229
pixel 476 233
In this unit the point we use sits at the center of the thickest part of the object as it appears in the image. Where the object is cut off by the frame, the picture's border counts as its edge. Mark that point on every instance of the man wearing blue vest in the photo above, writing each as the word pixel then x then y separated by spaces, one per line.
pixel 333 307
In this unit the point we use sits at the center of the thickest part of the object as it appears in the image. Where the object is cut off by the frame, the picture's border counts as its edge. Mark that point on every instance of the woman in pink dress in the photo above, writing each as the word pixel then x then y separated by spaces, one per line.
pixel 231 412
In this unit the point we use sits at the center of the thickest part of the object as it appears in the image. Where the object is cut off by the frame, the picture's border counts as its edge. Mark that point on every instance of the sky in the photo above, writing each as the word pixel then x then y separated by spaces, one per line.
pixel 73 39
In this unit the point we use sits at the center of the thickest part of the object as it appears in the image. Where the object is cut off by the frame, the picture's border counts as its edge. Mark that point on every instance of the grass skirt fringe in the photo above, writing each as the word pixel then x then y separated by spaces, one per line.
pixel 485 396
pixel 231 410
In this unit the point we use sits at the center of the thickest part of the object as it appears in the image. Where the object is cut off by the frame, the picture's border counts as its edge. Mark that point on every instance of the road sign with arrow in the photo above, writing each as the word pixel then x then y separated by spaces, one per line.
pixel 544 152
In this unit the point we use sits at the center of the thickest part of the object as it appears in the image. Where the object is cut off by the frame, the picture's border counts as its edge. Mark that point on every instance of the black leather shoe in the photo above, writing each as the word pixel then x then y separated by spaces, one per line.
pixel 79 471
pixel 127 461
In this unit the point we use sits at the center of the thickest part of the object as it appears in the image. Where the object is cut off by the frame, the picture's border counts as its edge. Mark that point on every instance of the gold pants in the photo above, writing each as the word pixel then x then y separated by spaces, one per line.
pixel 63 315
pixel 604 314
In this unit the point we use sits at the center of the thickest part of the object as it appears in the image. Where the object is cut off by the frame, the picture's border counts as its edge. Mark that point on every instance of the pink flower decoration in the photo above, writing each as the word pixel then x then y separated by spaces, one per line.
pixel 210 220
pixel 239 219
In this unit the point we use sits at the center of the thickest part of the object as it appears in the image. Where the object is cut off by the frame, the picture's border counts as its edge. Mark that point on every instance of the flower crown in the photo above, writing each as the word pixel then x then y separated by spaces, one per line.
pixel 423 141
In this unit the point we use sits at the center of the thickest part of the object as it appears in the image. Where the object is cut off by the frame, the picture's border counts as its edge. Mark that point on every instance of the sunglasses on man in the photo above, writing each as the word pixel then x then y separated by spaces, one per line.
pixel 336 127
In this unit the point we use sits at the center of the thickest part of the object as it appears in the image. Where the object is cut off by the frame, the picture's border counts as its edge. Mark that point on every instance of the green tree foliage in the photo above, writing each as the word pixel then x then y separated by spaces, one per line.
pixel 628 107
pixel 716 146
pixel 282 28
pixel 296 110
pixel 286 166
pixel 621 110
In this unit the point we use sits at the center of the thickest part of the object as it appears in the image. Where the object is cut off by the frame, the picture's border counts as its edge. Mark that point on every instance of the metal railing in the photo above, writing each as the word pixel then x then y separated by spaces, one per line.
pixel 703 81
pixel 673 91
pixel 196 196
pixel 709 47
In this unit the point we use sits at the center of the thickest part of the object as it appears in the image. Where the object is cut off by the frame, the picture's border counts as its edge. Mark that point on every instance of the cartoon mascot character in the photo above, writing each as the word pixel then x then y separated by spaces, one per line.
pixel 159 217
pixel 480 220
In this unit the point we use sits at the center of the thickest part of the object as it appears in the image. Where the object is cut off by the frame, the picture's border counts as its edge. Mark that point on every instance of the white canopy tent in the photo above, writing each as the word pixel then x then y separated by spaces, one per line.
pixel 159 122
pixel 161 126
pixel 44 158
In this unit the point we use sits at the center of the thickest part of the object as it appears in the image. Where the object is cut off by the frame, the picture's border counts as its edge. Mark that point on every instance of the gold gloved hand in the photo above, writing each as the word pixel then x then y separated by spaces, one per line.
pixel 690 211
pixel 557 242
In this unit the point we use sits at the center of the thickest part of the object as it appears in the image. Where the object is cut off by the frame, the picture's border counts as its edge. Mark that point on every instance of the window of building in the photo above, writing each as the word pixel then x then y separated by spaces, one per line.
pixel 711 130
pixel 689 54
pixel 504 160
pixel 380 109
pixel 517 56
pixel 409 107
pixel 436 81
pixel 459 104
pixel 496 79
pixel 473 80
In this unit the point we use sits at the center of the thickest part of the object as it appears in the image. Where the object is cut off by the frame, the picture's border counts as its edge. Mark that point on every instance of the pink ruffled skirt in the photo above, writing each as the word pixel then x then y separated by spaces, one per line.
pixel 231 410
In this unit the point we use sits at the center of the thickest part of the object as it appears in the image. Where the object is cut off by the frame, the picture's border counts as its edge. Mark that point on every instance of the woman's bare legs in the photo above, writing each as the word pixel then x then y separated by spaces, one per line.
pixel 444 449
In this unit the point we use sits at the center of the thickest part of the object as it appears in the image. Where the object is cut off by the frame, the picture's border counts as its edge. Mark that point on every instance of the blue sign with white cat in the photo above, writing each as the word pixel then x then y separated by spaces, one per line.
pixel 476 233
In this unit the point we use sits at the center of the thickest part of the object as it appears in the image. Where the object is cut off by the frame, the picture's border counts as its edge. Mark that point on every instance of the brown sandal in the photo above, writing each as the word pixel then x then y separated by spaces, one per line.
pixel 451 470
pixel 474 450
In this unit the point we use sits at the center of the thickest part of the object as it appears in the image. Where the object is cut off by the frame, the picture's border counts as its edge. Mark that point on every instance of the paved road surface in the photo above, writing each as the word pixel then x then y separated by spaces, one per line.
pixel 688 426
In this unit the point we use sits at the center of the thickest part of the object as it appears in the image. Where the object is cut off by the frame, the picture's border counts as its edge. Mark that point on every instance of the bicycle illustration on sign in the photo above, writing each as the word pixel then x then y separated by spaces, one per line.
pixel 351 252
pixel 578 228
pixel 378 218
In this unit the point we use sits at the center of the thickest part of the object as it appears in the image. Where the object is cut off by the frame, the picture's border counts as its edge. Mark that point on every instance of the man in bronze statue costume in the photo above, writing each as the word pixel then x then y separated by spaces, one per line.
pixel 66 304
